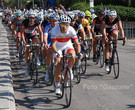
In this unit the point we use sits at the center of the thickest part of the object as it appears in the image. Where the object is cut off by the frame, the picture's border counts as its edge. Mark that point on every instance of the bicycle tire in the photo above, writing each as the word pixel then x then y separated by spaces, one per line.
pixel 68 86
pixel 20 52
pixel 89 48
pixel 51 75
pixel 77 74
pixel 116 64
pixel 101 56
pixel 97 55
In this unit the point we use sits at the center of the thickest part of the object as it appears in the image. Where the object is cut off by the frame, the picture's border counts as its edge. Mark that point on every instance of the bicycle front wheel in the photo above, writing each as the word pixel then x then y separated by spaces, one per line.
pixel 101 57
pixel 116 64
pixel 68 86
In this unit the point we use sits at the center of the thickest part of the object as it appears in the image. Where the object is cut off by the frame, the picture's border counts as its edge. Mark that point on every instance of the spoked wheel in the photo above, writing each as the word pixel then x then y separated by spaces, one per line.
pixel 97 55
pixel 89 48
pixel 68 86
pixel 77 74
pixel 35 68
pixel 51 75
pixel 20 53
pixel 101 57
pixel 116 64
pixel 83 64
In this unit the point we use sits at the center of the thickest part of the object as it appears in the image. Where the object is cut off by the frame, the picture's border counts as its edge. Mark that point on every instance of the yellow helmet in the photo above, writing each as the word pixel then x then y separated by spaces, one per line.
pixel 87 13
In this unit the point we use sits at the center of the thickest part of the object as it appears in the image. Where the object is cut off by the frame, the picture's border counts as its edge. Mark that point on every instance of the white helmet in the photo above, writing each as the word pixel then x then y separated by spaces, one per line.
pixel 32 14
pixel 112 13
pixel 64 19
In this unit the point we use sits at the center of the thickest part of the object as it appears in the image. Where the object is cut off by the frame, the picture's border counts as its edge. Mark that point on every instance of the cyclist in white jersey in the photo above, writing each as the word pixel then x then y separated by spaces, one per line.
pixel 61 40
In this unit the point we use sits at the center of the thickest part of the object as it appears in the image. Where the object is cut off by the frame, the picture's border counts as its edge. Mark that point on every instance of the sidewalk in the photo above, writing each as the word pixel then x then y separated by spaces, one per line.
pixel 7 101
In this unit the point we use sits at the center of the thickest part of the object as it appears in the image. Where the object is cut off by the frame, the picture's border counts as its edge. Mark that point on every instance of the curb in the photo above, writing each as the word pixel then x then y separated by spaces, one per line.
pixel 7 101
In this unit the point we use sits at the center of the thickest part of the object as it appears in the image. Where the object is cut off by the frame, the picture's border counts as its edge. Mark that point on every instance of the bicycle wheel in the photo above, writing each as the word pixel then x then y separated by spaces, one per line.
pixel 97 54
pixel 77 74
pixel 116 64
pixel 20 52
pixel 68 86
pixel 35 68
pixel 83 64
pixel 51 75
pixel 101 56
pixel 89 48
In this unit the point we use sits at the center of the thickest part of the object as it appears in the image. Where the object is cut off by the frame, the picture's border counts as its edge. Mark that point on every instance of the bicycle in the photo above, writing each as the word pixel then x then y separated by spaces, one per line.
pixel 33 67
pixel 66 82
pixel 100 51
pixel 114 58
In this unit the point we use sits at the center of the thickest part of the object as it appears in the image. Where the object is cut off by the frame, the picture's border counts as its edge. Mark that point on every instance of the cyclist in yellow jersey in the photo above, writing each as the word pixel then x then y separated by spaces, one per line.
pixel 88 16
pixel 85 23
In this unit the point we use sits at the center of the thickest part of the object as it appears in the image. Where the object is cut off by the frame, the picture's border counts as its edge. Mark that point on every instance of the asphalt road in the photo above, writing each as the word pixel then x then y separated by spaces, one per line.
pixel 97 90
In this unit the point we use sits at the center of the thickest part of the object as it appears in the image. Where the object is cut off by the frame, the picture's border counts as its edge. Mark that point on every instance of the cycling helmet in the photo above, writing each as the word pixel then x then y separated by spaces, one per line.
pixel 101 12
pixel 92 10
pixel 87 13
pixel 54 16
pixel 18 13
pixel 81 14
pixel 31 14
pixel 112 13
pixel 65 19
pixel 72 15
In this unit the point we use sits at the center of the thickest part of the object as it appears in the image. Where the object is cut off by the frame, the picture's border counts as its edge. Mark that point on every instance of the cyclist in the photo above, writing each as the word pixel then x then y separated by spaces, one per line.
pixel 88 16
pixel 28 32
pixel 96 28
pixel 85 23
pixel 110 26
pixel 17 29
pixel 61 40
pixel 92 13
pixel 77 25
pixel 47 41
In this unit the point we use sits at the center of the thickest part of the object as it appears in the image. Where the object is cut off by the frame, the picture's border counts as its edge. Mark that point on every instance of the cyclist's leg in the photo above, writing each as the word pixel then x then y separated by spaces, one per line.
pixel 18 42
pixel 115 35
pixel 35 40
pixel 107 51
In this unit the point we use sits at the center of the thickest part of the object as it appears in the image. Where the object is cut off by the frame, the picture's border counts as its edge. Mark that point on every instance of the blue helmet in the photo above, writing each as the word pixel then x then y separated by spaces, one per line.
pixel 54 16
pixel 81 14
pixel 92 10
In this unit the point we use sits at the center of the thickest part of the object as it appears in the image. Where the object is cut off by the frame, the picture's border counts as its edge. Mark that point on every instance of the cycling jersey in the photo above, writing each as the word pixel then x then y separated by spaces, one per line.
pixel 63 40
pixel 85 23
pixel 97 24
pixel 111 26
pixel 77 26
pixel 30 30
pixel 47 31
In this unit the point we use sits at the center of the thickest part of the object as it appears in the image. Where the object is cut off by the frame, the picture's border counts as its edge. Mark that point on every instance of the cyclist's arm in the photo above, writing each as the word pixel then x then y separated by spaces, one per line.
pixel 40 32
pixel 88 31
pixel 104 30
pixel 82 33
pixel 121 29
pixel 22 34
pixel 78 47
pixel 54 46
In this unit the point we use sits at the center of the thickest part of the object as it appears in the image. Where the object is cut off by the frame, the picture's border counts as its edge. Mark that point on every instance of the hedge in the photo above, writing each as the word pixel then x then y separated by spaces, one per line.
pixel 126 13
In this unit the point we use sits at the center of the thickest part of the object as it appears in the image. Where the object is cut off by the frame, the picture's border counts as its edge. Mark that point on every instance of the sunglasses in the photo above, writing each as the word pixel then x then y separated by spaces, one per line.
pixel 63 25
pixel 101 15
pixel 112 17
pixel 18 16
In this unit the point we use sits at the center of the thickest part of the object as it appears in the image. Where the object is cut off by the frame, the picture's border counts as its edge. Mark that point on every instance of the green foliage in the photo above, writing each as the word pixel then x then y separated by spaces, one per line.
pixel 80 6
pixel 126 13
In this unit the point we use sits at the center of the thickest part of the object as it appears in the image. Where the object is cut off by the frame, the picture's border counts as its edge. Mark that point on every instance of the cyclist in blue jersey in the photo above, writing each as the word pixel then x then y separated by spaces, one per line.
pixel 47 41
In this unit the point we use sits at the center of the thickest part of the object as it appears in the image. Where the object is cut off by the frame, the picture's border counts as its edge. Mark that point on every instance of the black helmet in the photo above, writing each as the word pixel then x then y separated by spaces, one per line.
pixel 101 12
